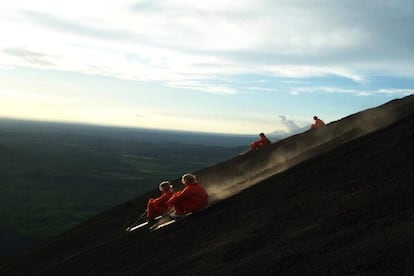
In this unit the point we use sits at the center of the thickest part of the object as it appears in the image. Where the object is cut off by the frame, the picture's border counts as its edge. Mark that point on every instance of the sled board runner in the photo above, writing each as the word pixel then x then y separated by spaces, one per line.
pixel 142 224
pixel 167 220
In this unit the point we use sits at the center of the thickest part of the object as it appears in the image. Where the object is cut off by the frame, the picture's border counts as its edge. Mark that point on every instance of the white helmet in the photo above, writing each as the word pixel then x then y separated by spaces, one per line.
pixel 165 185
pixel 190 177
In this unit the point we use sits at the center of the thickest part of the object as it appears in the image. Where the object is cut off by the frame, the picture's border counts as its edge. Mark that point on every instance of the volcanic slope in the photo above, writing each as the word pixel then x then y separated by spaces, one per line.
pixel 337 200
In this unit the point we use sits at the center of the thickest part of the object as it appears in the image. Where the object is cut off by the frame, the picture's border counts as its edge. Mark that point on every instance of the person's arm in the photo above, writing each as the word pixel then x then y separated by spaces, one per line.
pixel 179 196
pixel 263 141
pixel 161 199
pixel 173 200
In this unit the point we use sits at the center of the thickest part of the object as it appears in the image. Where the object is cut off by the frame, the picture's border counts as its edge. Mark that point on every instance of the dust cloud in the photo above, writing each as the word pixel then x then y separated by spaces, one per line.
pixel 230 177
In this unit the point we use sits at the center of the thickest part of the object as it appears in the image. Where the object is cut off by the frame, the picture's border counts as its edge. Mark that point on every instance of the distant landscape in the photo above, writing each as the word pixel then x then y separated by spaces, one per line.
pixel 54 176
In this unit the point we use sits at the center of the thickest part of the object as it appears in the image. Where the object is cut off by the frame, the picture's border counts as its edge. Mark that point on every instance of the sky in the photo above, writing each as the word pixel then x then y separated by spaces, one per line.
pixel 241 67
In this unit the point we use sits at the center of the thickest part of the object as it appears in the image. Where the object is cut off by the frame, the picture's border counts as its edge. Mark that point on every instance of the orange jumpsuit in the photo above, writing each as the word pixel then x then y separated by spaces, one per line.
pixel 192 198
pixel 318 122
pixel 263 141
pixel 157 206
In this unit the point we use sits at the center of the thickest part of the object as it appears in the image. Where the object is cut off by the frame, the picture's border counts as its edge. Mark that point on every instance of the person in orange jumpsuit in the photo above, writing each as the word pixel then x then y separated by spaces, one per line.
pixel 263 141
pixel 191 199
pixel 318 123
pixel 158 206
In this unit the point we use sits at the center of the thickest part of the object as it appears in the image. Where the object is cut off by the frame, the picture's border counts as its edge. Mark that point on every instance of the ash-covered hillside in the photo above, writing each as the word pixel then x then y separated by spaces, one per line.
pixel 334 201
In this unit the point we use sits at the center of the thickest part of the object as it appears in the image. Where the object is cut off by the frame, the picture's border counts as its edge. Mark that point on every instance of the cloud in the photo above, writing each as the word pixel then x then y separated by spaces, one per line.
pixel 286 127
pixel 289 125
pixel 198 86
pixel 396 91
pixel 30 57
pixel 327 89
pixel 190 44
pixel 71 26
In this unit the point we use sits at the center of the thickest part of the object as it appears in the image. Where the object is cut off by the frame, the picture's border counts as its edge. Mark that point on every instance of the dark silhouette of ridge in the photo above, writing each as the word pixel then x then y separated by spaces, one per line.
pixel 335 200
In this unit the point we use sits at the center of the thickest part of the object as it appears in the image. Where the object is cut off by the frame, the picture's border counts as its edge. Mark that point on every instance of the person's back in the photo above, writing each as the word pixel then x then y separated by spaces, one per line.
pixel 192 198
pixel 318 123
pixel 264 141
pixel 196 194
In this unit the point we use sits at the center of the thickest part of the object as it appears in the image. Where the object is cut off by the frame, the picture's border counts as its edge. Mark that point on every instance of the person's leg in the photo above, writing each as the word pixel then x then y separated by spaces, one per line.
pixel 179 209
pixel 153 210
pixel 253 146
pixel 191 207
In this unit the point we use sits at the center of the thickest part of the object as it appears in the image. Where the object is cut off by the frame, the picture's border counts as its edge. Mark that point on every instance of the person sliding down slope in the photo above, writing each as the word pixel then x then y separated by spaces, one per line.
pixel 263 141
pixel 191 199
pixel 155 207
pixel 318 123
pixel 158 206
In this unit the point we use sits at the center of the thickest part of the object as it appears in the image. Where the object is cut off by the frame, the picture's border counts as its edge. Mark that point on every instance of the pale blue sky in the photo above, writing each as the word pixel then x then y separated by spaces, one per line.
pixel 216 66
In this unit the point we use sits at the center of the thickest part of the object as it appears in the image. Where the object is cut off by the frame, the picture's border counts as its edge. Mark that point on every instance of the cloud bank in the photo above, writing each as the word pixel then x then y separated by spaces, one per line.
pixel 189 44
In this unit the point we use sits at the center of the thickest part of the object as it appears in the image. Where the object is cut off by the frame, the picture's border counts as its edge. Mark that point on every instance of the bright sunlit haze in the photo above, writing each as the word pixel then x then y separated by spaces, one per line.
pixel 239 67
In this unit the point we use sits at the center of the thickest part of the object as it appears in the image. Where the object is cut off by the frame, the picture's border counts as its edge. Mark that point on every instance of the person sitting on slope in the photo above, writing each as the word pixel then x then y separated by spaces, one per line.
pixel 191 199
pixel 158 206
pixel 318 123
pixel 263 141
